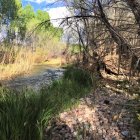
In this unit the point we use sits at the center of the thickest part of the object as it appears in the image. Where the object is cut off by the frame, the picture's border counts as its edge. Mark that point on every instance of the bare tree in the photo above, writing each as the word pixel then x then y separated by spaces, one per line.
pixel 104 26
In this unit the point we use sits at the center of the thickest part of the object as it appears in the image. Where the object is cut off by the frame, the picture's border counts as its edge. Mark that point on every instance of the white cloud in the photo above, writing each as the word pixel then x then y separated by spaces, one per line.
pixel 40 1
pixel 59 12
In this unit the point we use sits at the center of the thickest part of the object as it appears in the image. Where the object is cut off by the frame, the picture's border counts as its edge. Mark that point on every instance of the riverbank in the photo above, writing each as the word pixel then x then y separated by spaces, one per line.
pixel 25 114
pixel 40 76
pixel 10 71
pixel 18 60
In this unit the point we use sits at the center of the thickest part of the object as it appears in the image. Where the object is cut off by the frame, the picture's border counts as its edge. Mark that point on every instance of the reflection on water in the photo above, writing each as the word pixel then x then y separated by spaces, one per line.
pixel 40 75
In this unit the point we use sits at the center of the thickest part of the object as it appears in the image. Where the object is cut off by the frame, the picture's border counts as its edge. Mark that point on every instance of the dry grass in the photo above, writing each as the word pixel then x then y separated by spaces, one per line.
pixel 56 61
pixel 24 58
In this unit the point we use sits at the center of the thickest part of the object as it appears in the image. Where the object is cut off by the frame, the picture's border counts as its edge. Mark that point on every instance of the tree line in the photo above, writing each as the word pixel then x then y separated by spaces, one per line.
pixel 21 20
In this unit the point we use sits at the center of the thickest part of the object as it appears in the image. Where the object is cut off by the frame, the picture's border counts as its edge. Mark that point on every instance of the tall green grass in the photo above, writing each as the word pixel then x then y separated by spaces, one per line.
pixel 25 114
pixel 78 75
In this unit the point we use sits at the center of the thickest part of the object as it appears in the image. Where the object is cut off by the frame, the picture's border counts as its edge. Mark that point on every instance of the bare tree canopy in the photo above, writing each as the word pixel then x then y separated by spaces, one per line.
pixel 104 27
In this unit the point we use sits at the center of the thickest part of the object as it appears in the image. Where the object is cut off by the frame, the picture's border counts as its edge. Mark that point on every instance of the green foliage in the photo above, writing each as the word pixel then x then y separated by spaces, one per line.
pixel 9 9
pixel 79 75
pixel 24 19
pixel 39 17
pixel 28 20
pixel 18 115
pixel 27 13
pixel 24 115
pixel 42 15
pixel 75 48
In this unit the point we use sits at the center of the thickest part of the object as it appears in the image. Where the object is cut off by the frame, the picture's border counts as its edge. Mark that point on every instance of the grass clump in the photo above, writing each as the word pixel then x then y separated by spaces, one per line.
pixel 78 75
pixel 24 115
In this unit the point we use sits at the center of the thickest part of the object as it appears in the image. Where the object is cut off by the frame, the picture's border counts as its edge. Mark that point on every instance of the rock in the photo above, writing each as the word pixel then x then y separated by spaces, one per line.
pixel 125 133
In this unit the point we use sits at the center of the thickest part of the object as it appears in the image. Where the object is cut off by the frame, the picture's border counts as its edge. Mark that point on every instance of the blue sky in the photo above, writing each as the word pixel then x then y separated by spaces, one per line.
pixel 56 10
pixel 42 4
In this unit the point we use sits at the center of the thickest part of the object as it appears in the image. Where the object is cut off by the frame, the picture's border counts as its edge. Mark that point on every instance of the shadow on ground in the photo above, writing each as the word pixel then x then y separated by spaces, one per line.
pixel 106 114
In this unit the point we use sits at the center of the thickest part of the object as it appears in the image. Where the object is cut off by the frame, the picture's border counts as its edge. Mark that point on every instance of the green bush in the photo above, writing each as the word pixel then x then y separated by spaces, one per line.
pixel 78 75
pixel 25 114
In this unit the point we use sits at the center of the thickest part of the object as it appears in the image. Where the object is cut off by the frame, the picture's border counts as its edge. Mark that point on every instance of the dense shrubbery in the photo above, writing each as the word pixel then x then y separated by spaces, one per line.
pixel 25 114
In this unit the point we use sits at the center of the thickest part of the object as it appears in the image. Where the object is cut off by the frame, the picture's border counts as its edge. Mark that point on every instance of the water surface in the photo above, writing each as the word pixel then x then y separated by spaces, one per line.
pixel 40 75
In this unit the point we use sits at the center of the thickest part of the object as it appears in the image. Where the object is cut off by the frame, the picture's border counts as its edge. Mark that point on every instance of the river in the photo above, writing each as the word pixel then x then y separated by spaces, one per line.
pixel 38 76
